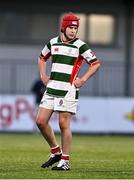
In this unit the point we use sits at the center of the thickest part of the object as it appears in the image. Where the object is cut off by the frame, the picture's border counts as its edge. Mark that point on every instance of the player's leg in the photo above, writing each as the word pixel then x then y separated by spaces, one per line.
pixel 42 120
pixel 66 139
pixel 66 134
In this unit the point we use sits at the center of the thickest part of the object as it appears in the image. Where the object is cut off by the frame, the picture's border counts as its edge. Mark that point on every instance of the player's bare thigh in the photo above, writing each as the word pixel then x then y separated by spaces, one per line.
pixel 43 115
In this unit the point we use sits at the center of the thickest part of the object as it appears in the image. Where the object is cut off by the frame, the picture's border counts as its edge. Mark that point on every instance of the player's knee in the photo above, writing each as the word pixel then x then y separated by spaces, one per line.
pixel 40 122
pixel 64 122
pixel 63 125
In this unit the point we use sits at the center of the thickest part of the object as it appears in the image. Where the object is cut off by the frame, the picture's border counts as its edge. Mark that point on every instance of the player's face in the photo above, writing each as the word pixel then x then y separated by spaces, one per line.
pixel 71 31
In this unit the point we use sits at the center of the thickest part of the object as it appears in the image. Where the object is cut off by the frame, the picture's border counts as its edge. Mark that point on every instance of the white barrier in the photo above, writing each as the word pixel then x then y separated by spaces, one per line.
pixel 16 113
pixel 95 115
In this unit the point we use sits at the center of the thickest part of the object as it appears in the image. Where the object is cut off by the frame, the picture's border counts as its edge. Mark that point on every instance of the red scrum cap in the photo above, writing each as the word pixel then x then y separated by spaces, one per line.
pixel 69 20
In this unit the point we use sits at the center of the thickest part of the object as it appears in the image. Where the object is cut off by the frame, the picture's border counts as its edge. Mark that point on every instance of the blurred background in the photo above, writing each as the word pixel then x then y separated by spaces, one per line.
pixel 106 101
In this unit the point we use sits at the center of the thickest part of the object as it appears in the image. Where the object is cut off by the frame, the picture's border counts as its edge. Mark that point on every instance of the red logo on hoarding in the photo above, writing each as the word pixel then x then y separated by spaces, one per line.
pixel 12 112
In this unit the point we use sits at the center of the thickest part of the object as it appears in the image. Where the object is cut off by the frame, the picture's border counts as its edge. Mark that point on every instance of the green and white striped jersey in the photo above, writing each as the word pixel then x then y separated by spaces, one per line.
pixel 65 57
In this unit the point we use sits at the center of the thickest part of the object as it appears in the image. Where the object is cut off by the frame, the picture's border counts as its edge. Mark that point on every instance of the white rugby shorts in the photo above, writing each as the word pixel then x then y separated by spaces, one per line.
pixel 59 104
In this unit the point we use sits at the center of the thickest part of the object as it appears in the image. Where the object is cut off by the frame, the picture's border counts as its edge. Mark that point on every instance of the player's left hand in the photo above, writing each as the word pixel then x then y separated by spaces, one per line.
pixel 78 82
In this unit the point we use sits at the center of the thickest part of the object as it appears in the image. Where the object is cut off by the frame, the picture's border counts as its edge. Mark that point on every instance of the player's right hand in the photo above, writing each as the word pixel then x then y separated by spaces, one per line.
pixel 45 79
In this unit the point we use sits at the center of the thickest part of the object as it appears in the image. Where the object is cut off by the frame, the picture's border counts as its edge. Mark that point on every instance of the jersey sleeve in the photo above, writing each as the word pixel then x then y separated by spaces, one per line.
pixel 88 55
pixel 46 52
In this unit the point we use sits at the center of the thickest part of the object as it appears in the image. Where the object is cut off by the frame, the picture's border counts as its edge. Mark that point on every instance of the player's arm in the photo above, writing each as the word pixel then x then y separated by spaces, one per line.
pixel 42 70
pixel 94 65
pixel 42 63
pixel 89 73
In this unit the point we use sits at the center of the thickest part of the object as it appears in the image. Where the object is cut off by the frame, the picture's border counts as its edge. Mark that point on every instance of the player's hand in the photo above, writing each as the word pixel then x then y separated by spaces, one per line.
pixel 45 79
pixel 78 82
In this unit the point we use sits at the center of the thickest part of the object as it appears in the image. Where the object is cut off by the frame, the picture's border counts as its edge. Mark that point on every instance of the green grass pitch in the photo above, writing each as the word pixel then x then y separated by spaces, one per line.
pixel 92 157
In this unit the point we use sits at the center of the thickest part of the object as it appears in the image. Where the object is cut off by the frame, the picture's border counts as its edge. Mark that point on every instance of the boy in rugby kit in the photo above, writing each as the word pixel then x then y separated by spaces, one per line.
pixel 67 52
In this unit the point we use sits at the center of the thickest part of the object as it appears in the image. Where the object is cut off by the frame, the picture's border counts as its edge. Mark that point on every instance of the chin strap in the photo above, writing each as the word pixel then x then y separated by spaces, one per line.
pixel 68 39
